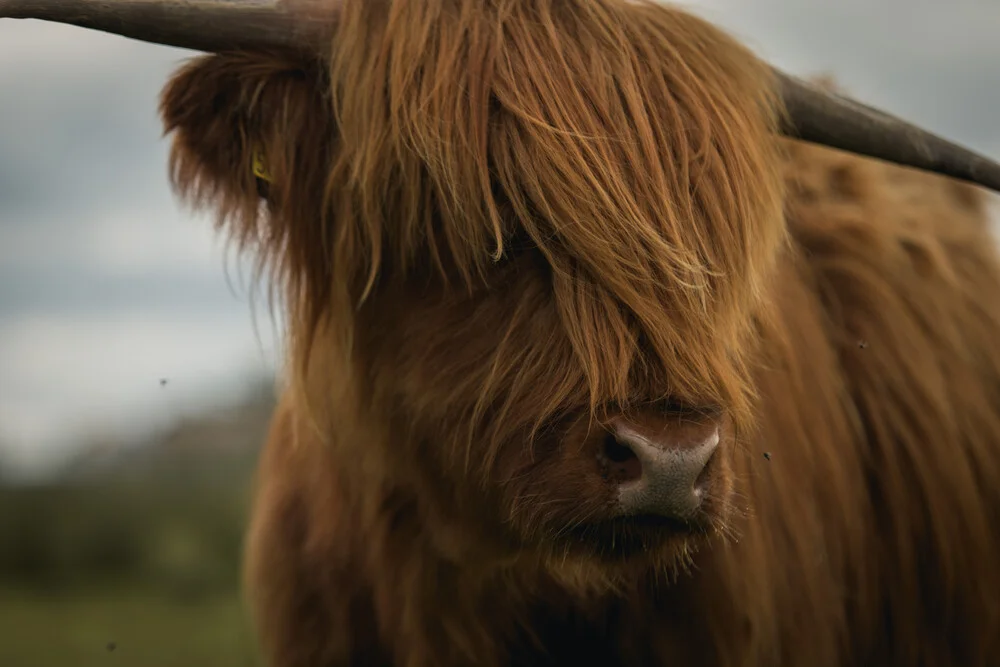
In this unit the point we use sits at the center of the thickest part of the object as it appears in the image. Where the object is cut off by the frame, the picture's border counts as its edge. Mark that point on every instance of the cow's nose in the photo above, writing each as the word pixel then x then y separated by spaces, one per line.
pixel 658 472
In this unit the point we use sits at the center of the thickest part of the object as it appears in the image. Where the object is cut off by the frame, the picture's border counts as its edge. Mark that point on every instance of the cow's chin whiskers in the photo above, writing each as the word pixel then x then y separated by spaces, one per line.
pixel 615 562
pixel 584 574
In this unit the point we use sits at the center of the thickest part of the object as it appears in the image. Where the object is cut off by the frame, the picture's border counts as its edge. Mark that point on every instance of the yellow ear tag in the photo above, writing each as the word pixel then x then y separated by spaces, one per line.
pixel 259 165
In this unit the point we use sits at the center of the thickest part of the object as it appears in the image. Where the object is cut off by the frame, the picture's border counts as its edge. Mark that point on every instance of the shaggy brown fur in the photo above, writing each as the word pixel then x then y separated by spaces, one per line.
pixel 497 224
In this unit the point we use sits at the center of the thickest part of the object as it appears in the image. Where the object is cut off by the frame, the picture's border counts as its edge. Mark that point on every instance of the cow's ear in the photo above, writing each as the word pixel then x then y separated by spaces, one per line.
pixel 246 127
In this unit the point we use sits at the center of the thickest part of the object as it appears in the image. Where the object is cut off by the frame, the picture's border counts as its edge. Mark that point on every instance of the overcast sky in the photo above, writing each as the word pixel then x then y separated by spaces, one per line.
pixel 107 286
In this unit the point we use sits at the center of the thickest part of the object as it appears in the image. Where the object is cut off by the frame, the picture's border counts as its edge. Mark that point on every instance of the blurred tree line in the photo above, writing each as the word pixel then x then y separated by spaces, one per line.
pixel 167 513
pixel 181 539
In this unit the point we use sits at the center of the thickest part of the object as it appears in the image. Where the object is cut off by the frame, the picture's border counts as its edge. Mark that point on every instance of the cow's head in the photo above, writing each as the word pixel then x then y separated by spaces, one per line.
pixel 523 266
pixel 524 246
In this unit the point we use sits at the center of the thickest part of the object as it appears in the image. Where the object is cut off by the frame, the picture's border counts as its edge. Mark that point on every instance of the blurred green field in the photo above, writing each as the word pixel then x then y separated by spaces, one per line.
pixel 117 574
pixel 123 574
pixel 123 627
pixel 134 561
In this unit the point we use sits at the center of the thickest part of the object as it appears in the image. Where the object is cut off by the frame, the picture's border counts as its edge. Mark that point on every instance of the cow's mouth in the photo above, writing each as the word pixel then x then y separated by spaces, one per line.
pixel 635 536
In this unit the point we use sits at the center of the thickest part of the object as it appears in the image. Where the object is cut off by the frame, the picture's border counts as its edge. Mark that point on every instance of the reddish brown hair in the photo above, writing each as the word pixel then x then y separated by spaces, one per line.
pixel 494 222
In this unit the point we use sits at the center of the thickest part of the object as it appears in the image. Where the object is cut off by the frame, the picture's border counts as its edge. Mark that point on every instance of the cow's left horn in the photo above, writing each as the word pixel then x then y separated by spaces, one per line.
pixel 823 117
pixel 202 25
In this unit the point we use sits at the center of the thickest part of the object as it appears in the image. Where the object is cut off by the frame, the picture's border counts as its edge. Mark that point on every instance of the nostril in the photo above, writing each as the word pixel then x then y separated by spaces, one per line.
pixel 618 460
pixel 615 451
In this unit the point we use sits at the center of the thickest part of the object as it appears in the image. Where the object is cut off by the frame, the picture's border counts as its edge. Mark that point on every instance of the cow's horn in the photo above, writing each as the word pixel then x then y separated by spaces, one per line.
pixel 814 115
pixel 822 117
pixel 202 25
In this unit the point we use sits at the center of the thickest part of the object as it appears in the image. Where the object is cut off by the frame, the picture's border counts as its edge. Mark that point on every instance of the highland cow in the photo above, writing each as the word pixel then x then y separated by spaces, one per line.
pixel 588 364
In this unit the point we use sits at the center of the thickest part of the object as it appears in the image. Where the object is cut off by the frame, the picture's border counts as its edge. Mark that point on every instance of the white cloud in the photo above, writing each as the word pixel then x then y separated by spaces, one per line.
pixel 63 377
pixel 119 242
pixel 54 48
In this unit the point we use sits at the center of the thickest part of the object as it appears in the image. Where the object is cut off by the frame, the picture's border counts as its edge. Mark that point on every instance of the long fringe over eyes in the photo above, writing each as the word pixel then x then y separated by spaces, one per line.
pixel 639 162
